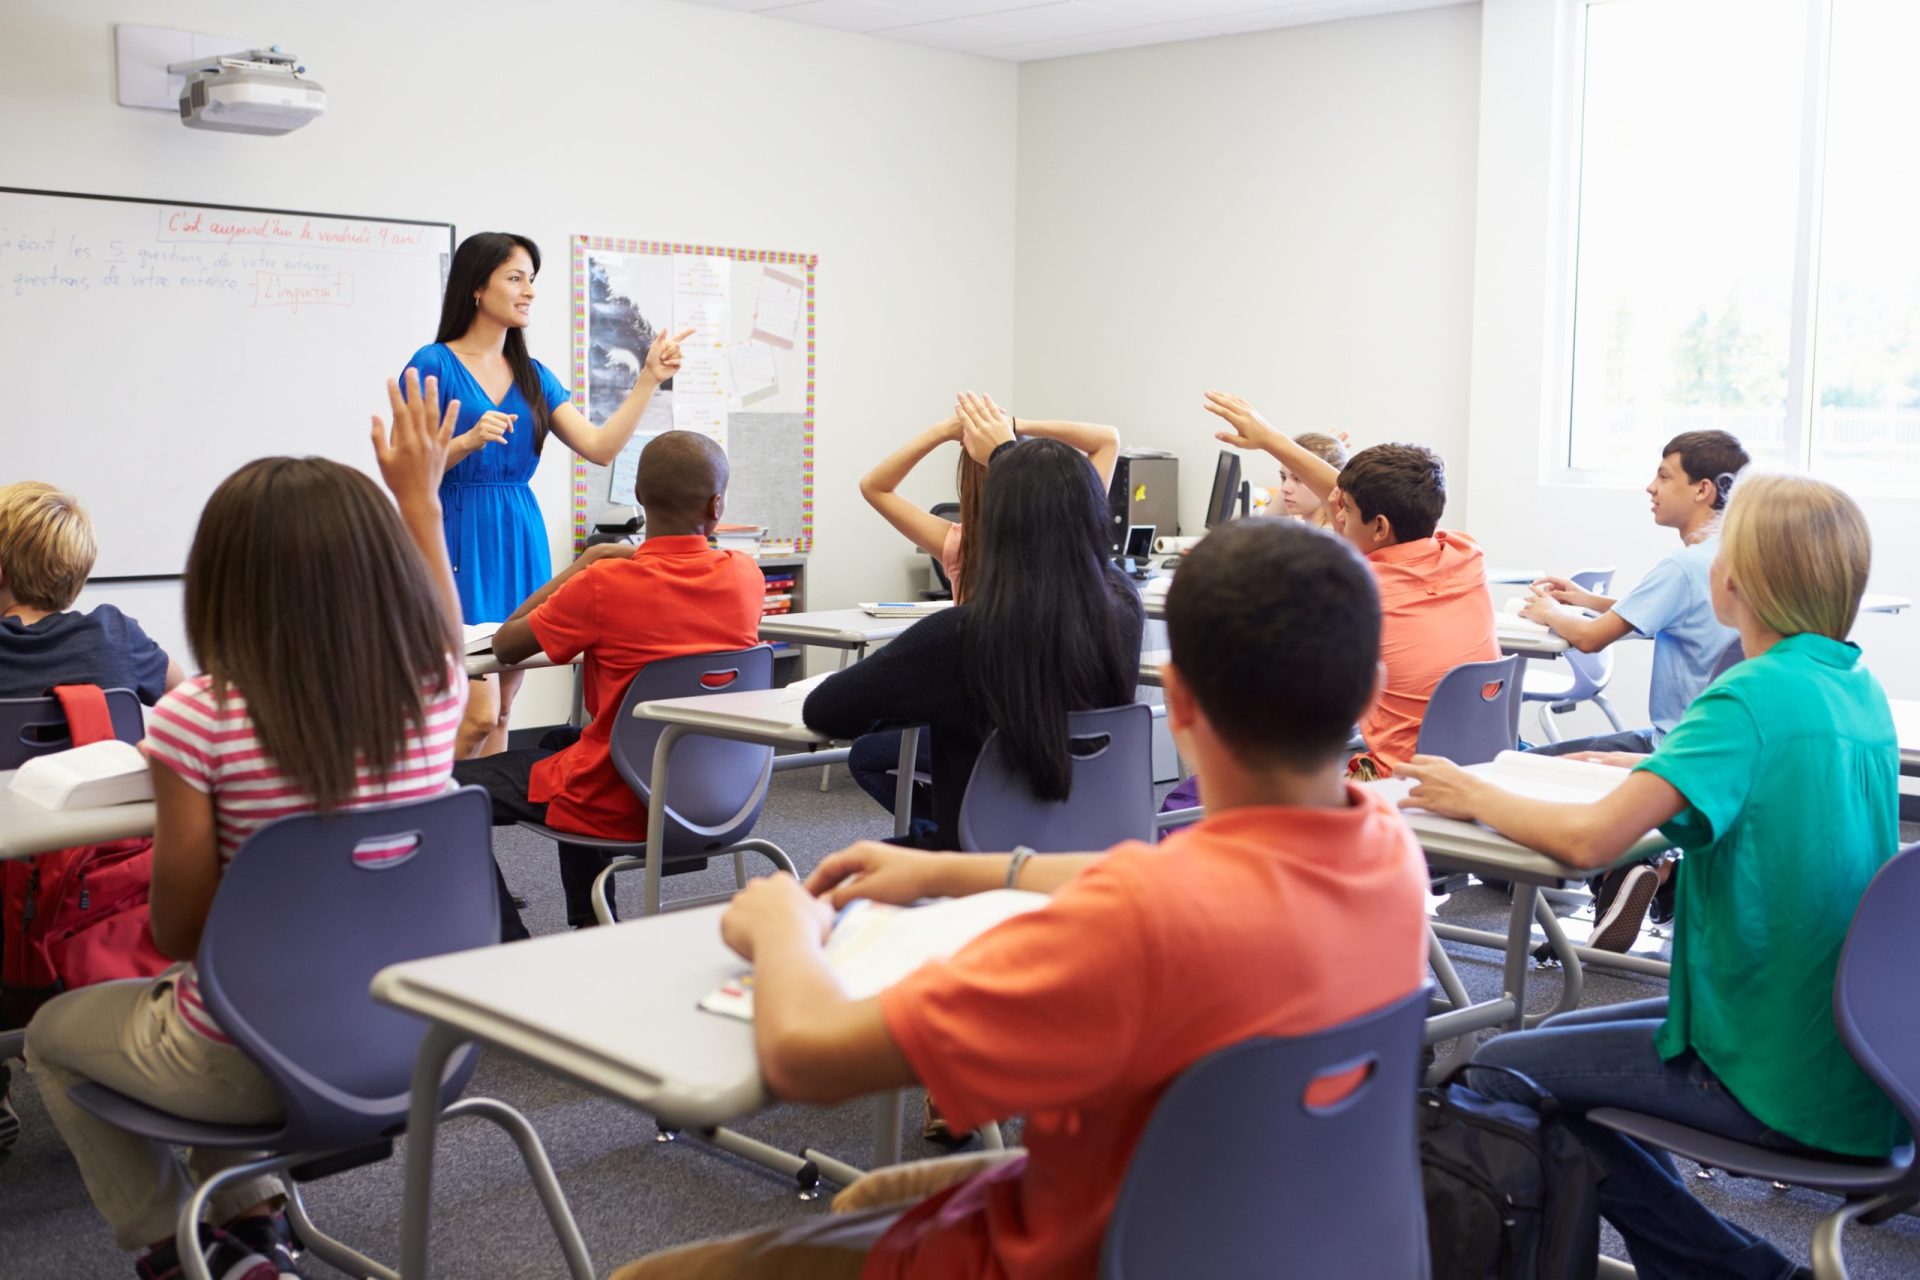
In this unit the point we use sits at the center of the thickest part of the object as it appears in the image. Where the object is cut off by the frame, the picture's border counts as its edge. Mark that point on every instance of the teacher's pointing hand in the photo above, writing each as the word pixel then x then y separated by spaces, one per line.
pixel 664 356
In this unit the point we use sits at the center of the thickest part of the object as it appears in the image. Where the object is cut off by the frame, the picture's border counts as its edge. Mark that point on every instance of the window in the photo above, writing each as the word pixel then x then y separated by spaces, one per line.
pixel 1744 254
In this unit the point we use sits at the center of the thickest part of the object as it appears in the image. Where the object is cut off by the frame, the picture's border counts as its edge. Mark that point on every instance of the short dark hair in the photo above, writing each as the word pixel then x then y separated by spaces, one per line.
pixel 1710 455
pixel 1275 627
pixel 1406 483
pixel 680 472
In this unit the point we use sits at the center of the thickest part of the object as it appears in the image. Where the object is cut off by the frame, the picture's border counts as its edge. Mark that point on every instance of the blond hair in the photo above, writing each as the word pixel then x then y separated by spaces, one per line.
pixel 1799 551
pixel 46 545
pixel 1323 447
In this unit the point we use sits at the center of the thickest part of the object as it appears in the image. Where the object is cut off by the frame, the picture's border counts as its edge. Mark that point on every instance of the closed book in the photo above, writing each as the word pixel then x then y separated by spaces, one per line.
pixel 100 773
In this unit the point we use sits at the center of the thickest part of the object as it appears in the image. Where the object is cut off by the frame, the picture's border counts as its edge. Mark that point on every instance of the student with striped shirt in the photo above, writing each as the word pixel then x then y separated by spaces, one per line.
pixel 301 709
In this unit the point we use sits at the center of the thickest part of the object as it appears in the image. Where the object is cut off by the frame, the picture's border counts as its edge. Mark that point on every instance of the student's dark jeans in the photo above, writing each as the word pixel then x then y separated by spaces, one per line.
pixel 873 754
pixel 507 776
pixel 1638 741
pixel 1605 1058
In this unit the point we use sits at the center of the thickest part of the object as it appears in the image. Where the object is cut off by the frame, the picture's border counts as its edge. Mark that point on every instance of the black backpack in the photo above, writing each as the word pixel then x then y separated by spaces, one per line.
pixel 1509 1188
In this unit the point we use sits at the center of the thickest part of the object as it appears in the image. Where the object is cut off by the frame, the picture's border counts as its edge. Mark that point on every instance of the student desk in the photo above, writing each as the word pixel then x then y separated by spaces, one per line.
pixel 1906 723
pixel 770 717
pixel 1513 577
pixel 849 630
pixel 1452 845
pixel 1871 603
pixel 27 829
pixel 633 1033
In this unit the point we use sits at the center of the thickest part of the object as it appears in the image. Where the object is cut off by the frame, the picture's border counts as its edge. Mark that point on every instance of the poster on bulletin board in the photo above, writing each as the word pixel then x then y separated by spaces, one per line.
pixel 745 380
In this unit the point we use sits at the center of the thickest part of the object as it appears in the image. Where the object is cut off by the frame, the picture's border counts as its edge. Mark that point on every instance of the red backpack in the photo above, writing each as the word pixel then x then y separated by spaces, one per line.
pixel 75 916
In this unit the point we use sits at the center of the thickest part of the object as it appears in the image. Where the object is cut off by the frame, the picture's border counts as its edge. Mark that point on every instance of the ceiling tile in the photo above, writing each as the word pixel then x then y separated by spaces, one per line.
pixel 958 8
pixel 967 37
pixel 1049 21
pixel 1033 50
pixel 846 15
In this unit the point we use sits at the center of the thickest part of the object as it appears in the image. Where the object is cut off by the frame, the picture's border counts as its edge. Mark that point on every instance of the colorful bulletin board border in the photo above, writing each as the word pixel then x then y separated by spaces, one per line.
pixel 582 245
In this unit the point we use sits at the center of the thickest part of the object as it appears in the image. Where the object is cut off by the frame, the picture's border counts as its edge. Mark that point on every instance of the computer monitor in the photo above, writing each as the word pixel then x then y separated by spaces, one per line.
pixel 1226 488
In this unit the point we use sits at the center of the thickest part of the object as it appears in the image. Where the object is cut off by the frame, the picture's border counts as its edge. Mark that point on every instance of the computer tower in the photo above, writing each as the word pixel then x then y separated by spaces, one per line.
pixel 1145 490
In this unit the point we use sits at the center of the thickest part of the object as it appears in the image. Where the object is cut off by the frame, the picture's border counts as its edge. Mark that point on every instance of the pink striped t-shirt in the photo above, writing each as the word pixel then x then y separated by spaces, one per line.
pixel 212 745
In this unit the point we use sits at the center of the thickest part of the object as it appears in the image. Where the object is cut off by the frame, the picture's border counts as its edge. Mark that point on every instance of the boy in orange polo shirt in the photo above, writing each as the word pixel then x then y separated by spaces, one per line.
pixel 622 609
pixel 1298 903
pixel 1436 611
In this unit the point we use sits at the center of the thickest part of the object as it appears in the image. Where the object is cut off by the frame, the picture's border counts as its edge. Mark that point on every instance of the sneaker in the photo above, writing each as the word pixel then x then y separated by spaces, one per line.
pixel 1620 923
pixel 270 1236
pixel 9 1121
pixel 1661 912
pixel 227 1257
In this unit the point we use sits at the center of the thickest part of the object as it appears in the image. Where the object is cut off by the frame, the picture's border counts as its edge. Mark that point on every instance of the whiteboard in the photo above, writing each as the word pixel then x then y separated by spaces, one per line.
pixel 150 348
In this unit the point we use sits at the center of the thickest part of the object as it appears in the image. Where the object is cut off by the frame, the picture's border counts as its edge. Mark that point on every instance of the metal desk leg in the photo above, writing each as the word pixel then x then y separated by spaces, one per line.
pixel 903 786
pixel 423 1115
pixel 886 1129
pixel 1519 943
pixel 657 816
pixel 1572 977
pixel 1442 965
pixel 846 660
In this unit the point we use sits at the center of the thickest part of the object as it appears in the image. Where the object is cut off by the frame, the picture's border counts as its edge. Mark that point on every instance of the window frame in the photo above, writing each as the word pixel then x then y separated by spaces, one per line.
pixel 1570 130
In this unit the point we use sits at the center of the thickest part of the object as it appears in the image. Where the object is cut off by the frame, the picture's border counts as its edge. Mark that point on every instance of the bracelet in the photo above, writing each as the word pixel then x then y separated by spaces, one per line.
pixel 1020 855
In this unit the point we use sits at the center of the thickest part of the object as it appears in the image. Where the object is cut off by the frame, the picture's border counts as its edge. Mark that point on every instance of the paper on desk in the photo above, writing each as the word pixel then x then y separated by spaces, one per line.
pixel 100 773
pixel 874 945
pixel 1509 619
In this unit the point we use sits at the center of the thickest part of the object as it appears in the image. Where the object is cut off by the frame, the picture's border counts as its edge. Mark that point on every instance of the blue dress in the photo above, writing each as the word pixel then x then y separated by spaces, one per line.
pixel 495 534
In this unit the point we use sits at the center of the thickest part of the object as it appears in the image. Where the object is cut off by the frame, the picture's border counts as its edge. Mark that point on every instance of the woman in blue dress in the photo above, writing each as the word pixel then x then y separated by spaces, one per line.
pixel 509 403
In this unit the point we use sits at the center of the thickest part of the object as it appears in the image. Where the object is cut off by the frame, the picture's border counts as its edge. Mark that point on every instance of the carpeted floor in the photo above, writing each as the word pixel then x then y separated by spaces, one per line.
pixel 632 1195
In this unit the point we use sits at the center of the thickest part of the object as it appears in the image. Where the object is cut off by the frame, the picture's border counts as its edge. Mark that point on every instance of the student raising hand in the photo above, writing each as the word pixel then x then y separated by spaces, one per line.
pixel 412 458
pixel 983 427
pixel 1246 428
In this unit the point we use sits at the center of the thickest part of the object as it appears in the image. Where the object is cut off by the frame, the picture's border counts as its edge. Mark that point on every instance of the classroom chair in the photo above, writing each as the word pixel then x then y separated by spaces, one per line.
pixel 1729 657
pixel 1239 1175
pixel 1873 1008
pixel 1111 799
pixel 945 511
pixel 718 785
pixel 1470 719
pixel 309 909
pixel 32 727
pixel 1585 678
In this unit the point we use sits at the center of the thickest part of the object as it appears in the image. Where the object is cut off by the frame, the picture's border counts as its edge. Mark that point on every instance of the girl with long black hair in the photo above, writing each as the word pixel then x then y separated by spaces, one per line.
pixel 509 403
pixel 1050 627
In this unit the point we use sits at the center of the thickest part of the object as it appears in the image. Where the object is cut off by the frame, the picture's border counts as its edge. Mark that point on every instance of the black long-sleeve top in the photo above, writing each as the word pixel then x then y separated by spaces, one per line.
pixel 919 678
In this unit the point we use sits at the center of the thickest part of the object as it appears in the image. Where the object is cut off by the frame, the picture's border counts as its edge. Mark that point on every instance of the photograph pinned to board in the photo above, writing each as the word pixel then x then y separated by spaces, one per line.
pixel 746 380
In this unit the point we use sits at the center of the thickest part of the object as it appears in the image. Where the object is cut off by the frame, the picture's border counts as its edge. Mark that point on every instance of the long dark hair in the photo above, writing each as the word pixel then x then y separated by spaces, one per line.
pixel 1053 626
pixel 325 688
pixel 474 263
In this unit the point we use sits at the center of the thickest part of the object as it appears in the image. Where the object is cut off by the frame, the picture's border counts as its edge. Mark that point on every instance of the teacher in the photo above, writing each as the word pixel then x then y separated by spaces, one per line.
pixel 509 402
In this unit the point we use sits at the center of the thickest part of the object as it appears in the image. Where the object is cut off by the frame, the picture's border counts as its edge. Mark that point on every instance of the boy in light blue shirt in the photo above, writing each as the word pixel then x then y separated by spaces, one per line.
pixel 1672 605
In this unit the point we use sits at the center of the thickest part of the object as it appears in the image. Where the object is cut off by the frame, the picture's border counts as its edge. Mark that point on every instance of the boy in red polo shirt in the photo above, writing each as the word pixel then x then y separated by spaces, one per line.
pixel 1436 611
pixel 1298 903
pixel 622 609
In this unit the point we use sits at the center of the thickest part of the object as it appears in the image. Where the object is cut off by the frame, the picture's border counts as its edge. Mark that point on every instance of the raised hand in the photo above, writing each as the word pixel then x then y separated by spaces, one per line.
pixel 413 456
pixel 664 356
pixel 1246 429
pixel 983 427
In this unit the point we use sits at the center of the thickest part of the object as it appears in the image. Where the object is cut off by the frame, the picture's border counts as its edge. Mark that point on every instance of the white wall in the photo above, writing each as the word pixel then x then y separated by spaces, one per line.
pixel 1287 215
pixel 1520 240
pixel 647 118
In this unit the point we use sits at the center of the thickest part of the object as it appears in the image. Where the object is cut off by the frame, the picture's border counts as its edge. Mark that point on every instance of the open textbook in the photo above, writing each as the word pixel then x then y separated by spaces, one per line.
pixel 100 773
pixel 874 945
pixel 1552 778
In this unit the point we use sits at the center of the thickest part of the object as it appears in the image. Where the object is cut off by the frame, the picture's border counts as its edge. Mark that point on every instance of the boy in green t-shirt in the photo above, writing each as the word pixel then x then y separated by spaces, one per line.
pixel 1781 785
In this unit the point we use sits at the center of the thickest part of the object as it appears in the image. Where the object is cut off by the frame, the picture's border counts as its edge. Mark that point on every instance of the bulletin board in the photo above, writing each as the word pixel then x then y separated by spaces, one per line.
pixel 746 380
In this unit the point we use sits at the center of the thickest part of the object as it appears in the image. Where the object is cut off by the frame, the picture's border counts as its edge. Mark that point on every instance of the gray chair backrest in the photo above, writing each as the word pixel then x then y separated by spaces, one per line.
pixel 1111 799
pixel 719 786
pixel 1872 1005
pixel 946 511
pixel 1469 719
pixel 310 908
pixel 32 727
pixel 1239 1175
pixel 1731 656
pixel 1591 671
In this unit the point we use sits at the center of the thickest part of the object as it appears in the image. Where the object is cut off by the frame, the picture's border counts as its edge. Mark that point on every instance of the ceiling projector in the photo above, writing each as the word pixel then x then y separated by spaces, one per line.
pixel 259 91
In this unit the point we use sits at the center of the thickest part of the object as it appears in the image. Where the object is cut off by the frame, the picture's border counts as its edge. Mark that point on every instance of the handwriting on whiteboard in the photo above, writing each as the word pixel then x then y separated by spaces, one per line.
pixel 271 289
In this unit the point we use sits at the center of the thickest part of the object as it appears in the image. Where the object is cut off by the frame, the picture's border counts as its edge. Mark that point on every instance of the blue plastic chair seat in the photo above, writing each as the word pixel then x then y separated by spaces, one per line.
pixel 163 1126
pixel 1840 1175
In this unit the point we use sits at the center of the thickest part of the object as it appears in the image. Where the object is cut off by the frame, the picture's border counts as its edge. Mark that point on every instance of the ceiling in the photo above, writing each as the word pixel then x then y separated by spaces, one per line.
pixel 1024 32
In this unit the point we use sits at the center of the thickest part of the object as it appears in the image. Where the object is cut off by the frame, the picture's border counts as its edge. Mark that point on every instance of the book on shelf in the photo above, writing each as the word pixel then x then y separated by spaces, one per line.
pixel 100 773
pixel 874 945
pixel 739 537
pixel 777 546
